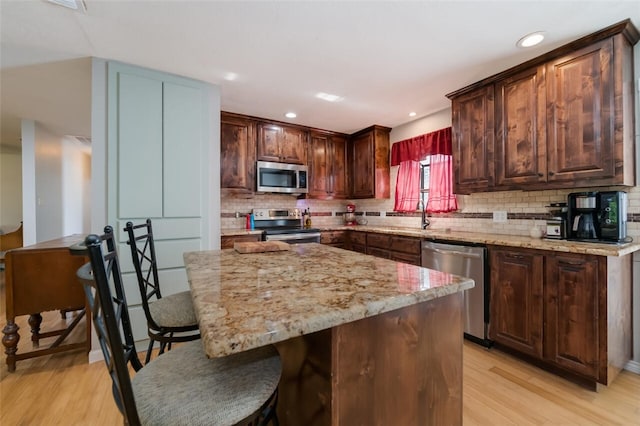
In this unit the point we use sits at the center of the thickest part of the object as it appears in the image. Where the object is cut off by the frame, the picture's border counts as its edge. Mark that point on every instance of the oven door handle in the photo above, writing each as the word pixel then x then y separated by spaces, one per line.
pixel 285 237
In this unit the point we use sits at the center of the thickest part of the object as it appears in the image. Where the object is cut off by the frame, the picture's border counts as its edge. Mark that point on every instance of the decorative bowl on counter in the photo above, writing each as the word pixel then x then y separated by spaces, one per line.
pixel 362 221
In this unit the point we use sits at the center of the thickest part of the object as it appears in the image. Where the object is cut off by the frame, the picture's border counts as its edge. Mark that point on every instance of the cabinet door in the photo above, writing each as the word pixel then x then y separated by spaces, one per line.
pixel 473 140
pixel 362 166
pixel 520 150
pixel 293 146
pixel 319 166
pixel 516 304
pixel 571 298
pixel 268 146
pixel 339 177
pixel 237 154
pixel 581 114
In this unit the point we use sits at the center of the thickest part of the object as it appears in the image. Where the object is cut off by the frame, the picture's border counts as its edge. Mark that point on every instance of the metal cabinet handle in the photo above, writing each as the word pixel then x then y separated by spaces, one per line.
pixel 455 253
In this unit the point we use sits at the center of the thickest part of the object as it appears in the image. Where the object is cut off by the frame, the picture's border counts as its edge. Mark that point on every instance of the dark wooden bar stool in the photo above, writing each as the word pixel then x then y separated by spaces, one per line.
pixel 182 387
pixel 170 318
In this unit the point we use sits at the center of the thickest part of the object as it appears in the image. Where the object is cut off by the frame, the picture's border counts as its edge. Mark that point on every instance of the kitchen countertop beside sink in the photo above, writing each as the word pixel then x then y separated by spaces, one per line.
pixel 599 249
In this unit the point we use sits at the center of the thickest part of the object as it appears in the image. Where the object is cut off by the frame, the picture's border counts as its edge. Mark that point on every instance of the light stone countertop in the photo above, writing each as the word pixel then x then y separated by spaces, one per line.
pixel 236 232
pixel 601 249
pixel 244 301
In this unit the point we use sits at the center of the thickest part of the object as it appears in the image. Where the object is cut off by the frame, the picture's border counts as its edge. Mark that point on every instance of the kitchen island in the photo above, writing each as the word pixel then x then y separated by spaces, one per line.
pixel 363 340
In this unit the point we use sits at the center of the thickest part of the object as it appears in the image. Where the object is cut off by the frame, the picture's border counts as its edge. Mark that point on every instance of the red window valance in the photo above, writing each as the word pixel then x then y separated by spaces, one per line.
pixel 416 149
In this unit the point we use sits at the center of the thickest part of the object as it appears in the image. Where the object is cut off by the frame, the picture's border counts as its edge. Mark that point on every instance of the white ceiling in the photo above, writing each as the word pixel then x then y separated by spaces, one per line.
pixel 386 58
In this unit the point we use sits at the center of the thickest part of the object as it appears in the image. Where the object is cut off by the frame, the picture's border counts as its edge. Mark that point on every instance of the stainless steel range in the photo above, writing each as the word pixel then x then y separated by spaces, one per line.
pixel 284 225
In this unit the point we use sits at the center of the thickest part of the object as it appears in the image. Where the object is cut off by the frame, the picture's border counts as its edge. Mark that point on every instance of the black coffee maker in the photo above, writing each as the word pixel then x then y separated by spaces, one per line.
pixel 597 216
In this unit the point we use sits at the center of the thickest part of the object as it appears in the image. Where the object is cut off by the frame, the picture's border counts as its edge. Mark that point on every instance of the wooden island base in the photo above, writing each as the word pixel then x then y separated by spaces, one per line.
pixel 403 367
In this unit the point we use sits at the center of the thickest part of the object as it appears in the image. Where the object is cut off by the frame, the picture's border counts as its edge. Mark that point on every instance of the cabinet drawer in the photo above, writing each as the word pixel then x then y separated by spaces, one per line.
pixel 379 240
pixel 332 237
pixel 408 245
pixel 359 238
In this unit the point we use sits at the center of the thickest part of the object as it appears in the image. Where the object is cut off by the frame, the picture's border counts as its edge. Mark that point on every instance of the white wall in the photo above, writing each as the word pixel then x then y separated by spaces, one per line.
pixel 49 197
pixel 76 178
pixel 10 189
pixel 55 175
pixel 28 132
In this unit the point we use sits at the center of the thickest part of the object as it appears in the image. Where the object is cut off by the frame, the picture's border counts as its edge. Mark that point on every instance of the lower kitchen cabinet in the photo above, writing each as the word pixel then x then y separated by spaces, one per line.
pixel 569 312
pixel 227 241
pixel 357 241
pixel 334 238
pixel 387 246
pixel 517 300
pixel 572 302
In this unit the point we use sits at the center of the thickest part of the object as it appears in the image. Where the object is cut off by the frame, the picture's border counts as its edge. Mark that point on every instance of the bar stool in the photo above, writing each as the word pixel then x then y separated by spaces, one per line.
pixel 171 318
pixel 182 387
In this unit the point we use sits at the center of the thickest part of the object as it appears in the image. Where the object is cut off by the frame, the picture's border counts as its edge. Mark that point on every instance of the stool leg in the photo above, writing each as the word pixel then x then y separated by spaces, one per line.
pixel 148 357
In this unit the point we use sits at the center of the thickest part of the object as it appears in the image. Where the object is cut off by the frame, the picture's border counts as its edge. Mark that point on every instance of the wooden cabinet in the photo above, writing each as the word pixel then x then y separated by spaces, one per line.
pixel 227 241
pixel 516 300
pixel 572 308
pixel 387 246
pixel 327 166
pixel 282 144
pixel 561 120
pixel 369 163
pixel 520 123
pixel 357 241
pixel 237 153
pixel 581 90
pixel 334 238
pixel 472 115
pixel 568 312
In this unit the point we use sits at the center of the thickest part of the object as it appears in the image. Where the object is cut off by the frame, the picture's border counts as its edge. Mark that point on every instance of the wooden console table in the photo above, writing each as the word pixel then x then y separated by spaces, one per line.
pixel 40 278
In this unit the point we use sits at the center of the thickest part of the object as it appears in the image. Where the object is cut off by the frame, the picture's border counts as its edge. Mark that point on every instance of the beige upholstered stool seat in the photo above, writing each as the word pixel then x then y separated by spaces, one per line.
pixel 229 389
pixel 175 310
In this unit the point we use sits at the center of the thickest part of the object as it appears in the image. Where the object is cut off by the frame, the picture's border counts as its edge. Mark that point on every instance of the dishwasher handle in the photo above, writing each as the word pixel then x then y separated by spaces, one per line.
pixel 454 253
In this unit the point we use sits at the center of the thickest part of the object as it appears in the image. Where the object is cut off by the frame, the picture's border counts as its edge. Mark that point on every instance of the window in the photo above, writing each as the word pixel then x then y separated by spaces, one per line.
pixel 425 175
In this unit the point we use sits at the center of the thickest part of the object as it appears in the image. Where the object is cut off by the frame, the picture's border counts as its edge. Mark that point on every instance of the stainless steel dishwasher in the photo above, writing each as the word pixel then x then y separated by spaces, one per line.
pixel 466 261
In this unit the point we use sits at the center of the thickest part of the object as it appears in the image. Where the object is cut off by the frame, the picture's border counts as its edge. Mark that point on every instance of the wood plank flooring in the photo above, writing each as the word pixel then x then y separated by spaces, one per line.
pixel 498 390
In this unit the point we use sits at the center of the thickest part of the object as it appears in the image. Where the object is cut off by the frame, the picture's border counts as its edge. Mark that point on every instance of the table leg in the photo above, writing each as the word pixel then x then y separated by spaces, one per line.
pixel 34 321
pixel 10 341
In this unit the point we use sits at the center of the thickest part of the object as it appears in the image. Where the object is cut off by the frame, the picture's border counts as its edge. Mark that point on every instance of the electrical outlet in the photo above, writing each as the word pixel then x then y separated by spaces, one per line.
pixel 500 216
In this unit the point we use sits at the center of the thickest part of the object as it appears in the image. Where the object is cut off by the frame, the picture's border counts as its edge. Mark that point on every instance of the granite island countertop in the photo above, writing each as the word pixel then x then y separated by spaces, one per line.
pixel 244 301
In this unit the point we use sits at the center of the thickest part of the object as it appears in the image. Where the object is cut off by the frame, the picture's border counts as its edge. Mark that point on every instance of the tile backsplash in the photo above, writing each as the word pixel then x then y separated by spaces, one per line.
pixel 524 210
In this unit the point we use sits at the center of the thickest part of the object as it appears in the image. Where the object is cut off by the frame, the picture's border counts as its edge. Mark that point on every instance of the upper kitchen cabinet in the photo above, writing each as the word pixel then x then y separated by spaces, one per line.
pixel 369 163
pixel 473 140
pixel 520 124
pixel 589 134
pixel 327 165
pixel 237 153
pixel 561 120
pixel 282 144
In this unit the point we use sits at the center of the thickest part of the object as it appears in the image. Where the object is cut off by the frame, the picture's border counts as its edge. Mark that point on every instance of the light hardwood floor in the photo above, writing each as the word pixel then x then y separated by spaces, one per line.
pixel 64 389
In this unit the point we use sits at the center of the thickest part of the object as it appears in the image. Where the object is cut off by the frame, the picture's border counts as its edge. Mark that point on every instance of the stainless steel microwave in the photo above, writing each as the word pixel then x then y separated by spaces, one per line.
pixel 281 177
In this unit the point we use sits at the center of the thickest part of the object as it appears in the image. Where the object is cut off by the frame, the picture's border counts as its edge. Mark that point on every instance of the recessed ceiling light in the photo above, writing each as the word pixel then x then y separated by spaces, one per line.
pixel 328 97
pixel 291 115
pixel 531 39
pixel 412 114
pixel 231 76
